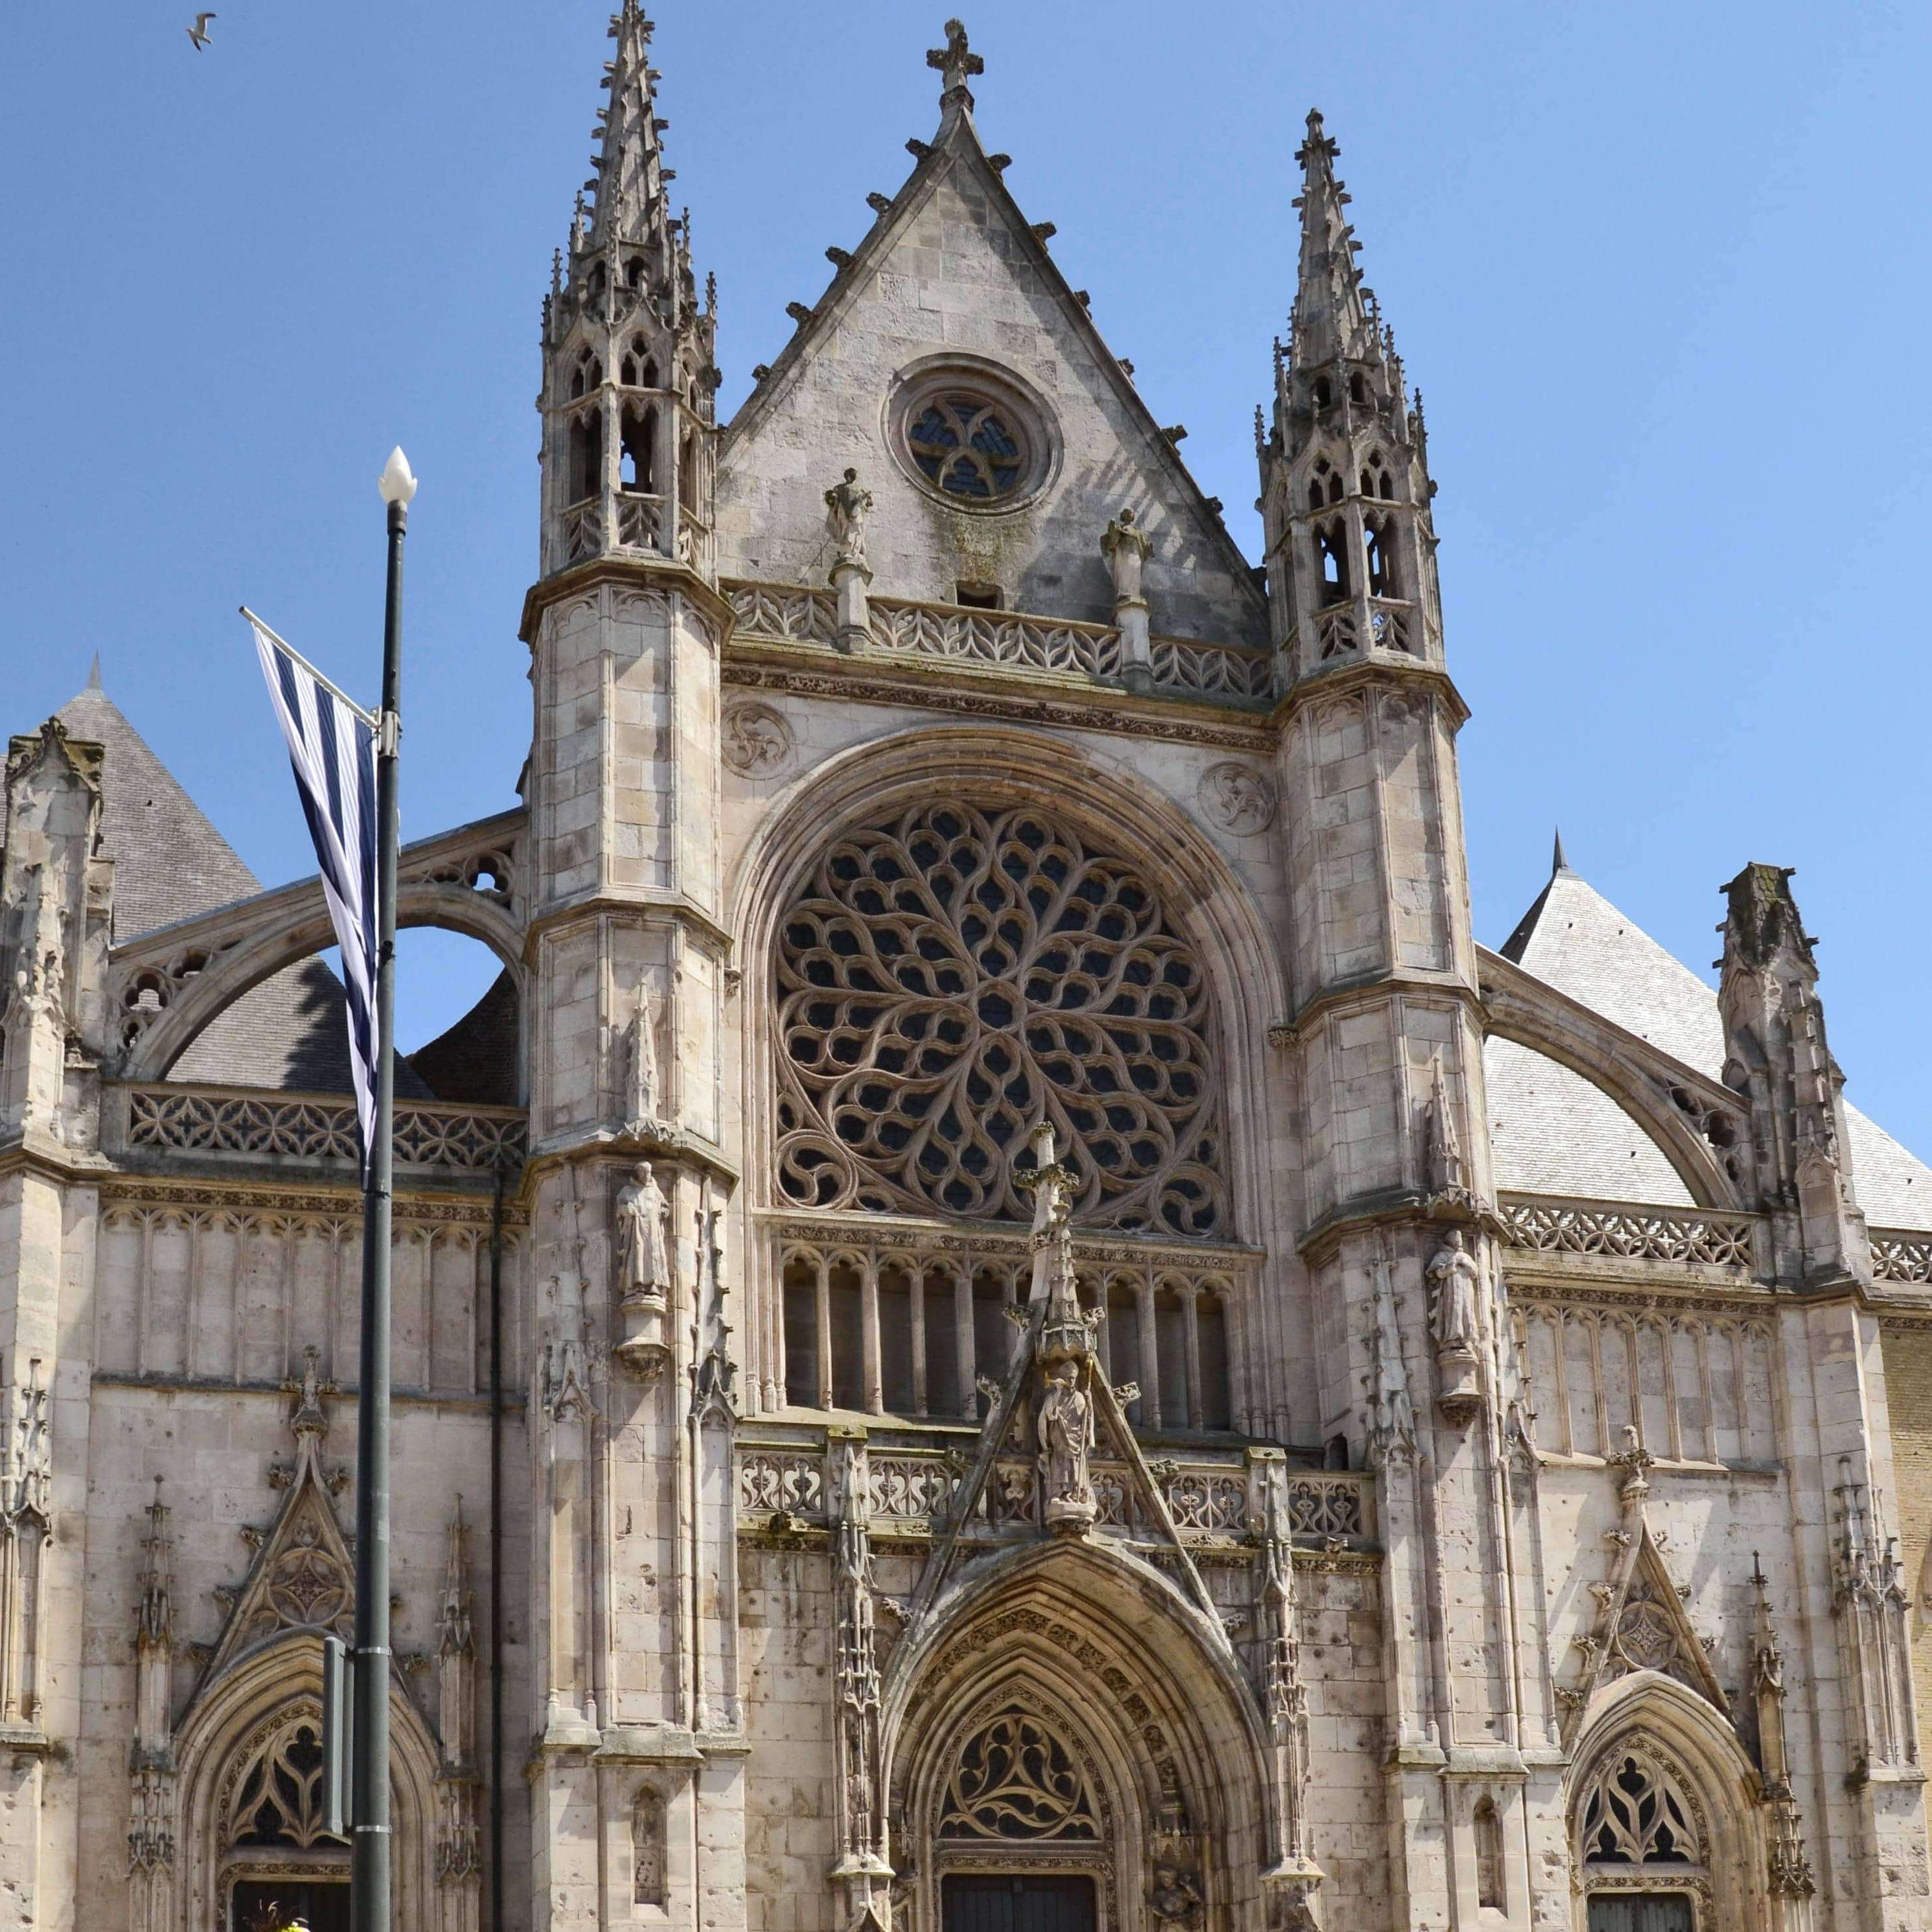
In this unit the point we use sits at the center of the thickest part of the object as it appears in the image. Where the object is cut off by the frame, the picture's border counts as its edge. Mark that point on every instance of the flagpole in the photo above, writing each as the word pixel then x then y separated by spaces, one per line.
pixel 369 1898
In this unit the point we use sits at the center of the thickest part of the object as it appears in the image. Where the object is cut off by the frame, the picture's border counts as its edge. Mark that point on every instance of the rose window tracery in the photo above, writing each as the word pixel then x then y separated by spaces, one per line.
pixel 1015 1779
pixel 947 980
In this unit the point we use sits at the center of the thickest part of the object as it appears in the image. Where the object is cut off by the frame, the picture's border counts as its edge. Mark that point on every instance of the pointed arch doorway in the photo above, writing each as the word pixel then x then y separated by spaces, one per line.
pixel 1017 1902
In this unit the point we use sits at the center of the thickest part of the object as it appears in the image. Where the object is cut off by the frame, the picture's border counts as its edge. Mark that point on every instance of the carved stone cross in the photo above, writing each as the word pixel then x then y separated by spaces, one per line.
pixel 957 64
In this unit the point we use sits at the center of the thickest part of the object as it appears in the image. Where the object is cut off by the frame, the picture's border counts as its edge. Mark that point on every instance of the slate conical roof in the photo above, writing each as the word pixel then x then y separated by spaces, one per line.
pixel 1552 1132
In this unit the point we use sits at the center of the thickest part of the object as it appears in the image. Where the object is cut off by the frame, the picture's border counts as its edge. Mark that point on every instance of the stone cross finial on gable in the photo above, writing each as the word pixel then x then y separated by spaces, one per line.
pixel 957 64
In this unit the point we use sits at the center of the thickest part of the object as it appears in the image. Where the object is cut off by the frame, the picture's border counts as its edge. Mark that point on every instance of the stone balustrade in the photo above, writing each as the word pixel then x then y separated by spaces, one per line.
pixel 254 1124
pixel 913 1491
pixel 1553 1225
pixel 1001 640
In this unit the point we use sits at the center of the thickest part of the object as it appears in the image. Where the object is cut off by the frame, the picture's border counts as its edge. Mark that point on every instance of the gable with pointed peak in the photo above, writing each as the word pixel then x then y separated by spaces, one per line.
pixel 1643 1626
pixel 952 273
pixel 303 1577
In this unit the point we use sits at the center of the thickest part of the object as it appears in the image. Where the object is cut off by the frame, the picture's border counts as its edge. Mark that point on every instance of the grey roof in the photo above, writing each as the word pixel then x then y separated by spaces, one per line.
pixel 1556 1133
pixel 170 863
pixel 475 1062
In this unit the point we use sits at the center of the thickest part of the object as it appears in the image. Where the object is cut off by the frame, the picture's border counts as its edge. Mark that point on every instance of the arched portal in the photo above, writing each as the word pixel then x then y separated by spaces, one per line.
pixel 248 1823
pixel 1070 1717
pixel 1666 1830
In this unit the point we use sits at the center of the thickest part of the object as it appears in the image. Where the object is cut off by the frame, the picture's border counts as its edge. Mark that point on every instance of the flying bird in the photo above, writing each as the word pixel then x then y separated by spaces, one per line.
pixel 199 32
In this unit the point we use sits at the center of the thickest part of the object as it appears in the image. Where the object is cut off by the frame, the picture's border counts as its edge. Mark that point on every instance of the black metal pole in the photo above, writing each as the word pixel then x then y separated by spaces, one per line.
pixel 369 1909
pixel 496 1555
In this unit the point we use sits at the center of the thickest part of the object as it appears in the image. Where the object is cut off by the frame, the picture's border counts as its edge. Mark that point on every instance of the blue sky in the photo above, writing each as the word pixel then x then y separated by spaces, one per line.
pixel 1660 271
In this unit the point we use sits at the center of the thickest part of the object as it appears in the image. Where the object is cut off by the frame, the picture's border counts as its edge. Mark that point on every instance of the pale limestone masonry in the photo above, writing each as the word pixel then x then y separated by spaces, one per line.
pixel 1151 1384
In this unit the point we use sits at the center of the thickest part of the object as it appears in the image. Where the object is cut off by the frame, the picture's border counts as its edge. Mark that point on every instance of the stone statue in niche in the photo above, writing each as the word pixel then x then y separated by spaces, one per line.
pixel 644 1237
pixel 1066 1429
pixel 643 1101
pixel 1174 1903
pixel 1125 546
pixel 1456 1282
pixel 849 506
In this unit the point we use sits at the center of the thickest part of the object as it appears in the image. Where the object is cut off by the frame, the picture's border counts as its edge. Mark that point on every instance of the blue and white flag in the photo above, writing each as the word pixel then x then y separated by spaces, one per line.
pixel 332 746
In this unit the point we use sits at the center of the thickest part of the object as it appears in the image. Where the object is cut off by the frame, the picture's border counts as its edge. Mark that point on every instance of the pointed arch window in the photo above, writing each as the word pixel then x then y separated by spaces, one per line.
pixel 639 431
pixel 585 375
pixel 280 1801
pixel 1324 484
pixel 1377 480
pixel 1375 570
pixel 587 455
pixel 1632 1814
pixel 1331 553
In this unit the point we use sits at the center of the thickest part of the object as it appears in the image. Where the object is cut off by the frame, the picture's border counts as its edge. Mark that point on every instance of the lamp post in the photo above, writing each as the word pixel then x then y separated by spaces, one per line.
pixel 370 1836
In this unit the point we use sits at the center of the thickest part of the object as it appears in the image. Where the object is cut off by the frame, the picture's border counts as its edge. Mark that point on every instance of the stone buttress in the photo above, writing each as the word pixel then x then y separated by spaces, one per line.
pixel 636 1792
pixel 1398 1226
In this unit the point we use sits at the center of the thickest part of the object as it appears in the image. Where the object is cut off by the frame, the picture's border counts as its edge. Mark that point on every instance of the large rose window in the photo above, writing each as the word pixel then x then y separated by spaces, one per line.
pixel 947 981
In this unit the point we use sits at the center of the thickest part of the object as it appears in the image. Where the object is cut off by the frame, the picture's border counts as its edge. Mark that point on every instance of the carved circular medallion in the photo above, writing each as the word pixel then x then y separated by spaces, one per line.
pixel 947 980
pixel 1237 797
pixel 757 740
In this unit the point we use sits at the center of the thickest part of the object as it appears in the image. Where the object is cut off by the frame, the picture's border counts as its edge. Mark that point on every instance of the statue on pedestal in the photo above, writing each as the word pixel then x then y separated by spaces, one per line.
pixel 1066 1429
pixel 643 1238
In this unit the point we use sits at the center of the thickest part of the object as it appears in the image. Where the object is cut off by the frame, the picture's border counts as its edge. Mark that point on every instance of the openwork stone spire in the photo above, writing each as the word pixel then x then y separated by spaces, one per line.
pixel 1333 313
pixel 629 383
pixel 630 178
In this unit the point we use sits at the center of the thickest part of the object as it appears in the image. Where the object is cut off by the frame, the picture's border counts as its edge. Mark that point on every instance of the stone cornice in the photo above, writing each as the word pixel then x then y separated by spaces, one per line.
pixel 640 572
pixel 672 908
pixel 251 1195
pixel 1355 995
pixel 1386 667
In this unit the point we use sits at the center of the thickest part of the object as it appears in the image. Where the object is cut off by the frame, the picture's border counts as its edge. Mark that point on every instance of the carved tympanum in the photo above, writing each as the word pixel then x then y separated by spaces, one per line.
pixel 946 979
pixel 1015 1779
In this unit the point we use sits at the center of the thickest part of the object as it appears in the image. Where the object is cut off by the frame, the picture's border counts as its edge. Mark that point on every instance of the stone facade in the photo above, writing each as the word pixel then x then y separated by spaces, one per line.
pixel 1039 1333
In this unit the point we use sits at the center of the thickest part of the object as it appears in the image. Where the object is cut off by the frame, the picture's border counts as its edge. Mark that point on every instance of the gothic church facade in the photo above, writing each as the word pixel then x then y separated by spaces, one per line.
pixel 1003 1321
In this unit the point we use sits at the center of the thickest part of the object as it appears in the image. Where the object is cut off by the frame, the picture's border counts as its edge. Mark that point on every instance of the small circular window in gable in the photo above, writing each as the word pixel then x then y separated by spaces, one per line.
pixel 964 444
pixel 970 435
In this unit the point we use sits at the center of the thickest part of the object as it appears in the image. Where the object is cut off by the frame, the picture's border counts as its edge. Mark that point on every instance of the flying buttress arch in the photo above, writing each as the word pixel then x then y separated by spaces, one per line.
pixel 164 988
pixel 1696 1121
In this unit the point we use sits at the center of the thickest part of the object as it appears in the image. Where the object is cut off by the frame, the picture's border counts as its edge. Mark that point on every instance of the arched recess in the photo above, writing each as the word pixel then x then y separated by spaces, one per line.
pixel 1694 1120
pixel 222 1736
pixel 240 951
pixel 1123 814
pixel 1153 1724
pixel 1662 1798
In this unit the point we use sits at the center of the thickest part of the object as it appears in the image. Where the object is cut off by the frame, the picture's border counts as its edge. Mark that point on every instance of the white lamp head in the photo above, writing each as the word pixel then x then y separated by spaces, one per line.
pixel 396 485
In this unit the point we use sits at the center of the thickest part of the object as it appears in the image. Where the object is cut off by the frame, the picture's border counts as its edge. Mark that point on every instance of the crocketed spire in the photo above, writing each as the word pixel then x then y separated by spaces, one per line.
pixel 630 178
pixel 1332 309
